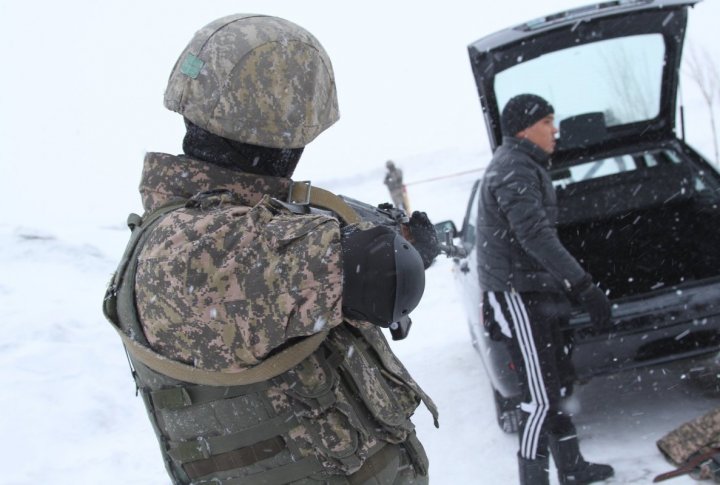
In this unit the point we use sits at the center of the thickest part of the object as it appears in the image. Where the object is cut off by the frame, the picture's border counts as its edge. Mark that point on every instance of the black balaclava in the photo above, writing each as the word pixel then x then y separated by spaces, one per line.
pixel 276 162
pixel 523 111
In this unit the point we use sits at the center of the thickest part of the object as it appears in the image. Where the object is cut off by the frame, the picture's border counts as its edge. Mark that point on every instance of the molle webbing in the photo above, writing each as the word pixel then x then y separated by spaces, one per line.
pixel 260 450
pixel 239 458
pixel 205 447
pixel 181 397
pixel 277 476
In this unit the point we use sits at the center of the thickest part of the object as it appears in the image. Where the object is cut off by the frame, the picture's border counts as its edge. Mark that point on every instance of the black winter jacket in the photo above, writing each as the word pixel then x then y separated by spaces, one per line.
pixel 518 244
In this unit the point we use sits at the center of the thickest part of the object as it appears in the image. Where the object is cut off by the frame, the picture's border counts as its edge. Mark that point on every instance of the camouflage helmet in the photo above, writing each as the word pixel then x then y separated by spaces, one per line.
pixel 255 79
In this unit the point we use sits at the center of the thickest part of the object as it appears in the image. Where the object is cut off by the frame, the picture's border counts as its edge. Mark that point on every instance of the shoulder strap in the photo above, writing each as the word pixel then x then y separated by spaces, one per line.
pixel 120 296
pixel 302 192
pixel 119 308
pixel 267 369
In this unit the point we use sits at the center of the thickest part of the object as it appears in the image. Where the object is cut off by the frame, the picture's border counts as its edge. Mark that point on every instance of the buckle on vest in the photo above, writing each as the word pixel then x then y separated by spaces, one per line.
pixel 204 447
pixel 296 194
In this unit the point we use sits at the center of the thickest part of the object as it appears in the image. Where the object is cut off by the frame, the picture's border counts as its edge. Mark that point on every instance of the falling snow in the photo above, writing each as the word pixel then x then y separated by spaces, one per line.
pixel 66 366
pixel 319 325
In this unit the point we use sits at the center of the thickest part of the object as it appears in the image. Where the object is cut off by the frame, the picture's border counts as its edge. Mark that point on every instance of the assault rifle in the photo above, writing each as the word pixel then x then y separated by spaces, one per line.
pixel 384 214
pixel 389 215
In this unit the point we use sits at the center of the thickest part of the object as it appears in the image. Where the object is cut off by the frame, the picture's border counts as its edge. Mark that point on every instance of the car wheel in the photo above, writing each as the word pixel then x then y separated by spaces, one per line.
pixel 507 412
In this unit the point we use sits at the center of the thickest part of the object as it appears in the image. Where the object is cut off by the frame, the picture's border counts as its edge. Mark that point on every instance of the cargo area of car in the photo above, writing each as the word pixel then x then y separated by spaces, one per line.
pixel 641 233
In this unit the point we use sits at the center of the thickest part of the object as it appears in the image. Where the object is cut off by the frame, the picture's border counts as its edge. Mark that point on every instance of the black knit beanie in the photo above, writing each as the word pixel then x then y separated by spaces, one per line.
pixel 523 111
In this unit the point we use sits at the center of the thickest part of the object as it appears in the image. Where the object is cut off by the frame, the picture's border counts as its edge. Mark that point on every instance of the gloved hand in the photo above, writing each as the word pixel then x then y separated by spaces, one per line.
pixel 594 301
pixel 423 237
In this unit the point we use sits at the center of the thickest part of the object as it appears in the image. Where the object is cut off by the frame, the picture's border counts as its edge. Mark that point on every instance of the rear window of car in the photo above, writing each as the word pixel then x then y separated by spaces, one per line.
pixel 620 78
pixel 604 167
pixel 602 188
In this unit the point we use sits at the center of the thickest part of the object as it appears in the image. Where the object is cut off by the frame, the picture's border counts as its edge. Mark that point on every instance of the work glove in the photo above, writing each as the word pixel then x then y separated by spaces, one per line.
pixel 594 301
pixel 423 237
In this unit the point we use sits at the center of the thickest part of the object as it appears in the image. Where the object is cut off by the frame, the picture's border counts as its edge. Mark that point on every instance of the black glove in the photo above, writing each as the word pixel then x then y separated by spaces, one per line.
pixel 593 300
pixel 423 237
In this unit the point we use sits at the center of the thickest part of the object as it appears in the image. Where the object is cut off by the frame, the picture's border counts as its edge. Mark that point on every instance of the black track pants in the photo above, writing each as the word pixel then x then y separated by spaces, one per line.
pixel 529 323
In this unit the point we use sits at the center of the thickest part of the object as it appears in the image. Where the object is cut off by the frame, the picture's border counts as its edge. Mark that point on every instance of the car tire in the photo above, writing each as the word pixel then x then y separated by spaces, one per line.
pixel 507 411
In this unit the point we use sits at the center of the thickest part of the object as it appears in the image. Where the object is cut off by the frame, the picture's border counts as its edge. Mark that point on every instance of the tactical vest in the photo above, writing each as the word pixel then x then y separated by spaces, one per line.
pixel 331 408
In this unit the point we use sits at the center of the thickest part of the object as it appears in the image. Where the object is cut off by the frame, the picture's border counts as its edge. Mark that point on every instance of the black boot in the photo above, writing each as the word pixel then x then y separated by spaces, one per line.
pixel 572 467
pixel 533 472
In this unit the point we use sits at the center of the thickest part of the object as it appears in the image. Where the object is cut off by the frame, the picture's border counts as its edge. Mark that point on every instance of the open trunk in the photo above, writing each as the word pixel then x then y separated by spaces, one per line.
pixel 643 229
pixel 648 249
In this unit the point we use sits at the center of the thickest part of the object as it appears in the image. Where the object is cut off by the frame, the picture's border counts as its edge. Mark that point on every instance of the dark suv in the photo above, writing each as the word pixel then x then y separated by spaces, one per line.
pixel 638 207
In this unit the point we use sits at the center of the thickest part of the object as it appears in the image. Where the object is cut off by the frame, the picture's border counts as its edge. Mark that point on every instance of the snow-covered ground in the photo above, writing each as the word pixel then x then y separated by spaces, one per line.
pixel 68 407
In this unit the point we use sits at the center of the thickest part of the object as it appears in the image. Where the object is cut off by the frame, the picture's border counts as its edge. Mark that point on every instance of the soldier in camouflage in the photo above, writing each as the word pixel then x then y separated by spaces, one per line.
pixel 396 187
pixel 223 279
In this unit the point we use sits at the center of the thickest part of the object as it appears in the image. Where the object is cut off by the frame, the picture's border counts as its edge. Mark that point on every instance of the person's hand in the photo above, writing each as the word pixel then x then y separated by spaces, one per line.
pixel 593 300
pixel 423 237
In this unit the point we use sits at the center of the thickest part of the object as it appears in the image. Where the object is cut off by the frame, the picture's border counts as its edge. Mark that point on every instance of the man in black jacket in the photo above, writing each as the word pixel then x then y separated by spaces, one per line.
pixel 527 275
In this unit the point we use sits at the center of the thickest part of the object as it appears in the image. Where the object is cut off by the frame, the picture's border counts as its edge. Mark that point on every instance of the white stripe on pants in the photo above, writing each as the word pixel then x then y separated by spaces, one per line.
pixel 539 405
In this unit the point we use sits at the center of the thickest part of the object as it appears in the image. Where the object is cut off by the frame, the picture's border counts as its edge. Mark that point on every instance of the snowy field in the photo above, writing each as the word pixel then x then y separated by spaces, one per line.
pixel 80 103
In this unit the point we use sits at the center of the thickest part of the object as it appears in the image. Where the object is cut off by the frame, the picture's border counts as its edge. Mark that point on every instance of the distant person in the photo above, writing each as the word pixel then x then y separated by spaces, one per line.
pixel 253 323
pixel 394 182
pixel 526 273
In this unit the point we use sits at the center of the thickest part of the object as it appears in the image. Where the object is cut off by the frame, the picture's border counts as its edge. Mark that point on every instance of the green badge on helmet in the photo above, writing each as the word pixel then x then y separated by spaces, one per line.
pixel 191 66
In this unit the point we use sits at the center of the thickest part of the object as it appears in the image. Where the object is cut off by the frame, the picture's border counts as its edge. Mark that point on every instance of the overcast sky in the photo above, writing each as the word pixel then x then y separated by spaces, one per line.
pixel 82 85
